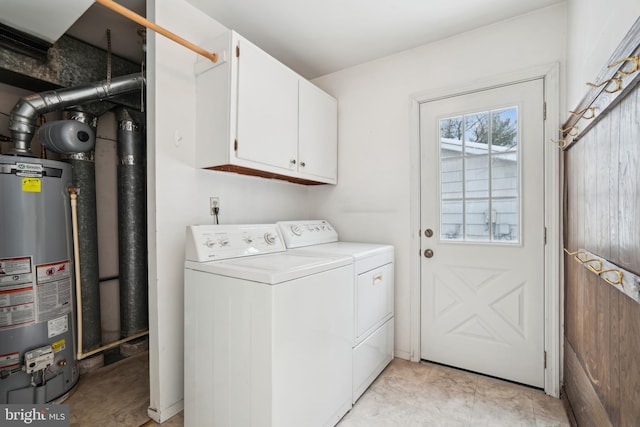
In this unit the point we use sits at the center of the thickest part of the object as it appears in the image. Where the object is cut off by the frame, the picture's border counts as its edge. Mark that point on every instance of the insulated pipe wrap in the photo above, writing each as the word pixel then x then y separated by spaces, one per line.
pixel 132 228
pixel 84 177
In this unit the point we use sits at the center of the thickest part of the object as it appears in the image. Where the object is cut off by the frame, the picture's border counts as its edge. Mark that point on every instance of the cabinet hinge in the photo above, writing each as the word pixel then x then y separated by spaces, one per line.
pixel 235 145
pixel 545 360
pixel 545 235
pixel 544 111
pixel 238 51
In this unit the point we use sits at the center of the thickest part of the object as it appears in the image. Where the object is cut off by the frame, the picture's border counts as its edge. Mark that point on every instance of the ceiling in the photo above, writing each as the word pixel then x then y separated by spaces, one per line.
pixel 319 37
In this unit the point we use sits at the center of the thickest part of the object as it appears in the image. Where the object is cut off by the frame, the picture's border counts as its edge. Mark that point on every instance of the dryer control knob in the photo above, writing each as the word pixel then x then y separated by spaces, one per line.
pixel 295 229
pixel 270 238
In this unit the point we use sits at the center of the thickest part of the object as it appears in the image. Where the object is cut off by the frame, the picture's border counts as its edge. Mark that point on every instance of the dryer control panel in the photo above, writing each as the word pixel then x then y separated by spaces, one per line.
pixel 215 242
pixel 307 232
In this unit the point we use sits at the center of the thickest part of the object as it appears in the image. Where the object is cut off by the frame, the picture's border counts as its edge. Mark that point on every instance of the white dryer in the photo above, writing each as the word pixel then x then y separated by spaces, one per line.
pixel 267 332
pixel 373 293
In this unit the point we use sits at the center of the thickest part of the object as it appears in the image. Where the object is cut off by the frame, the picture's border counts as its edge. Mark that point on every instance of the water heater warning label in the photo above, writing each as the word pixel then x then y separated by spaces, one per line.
pixel 31 185
pixel 17 296
pixel 11 266
pixel 53 290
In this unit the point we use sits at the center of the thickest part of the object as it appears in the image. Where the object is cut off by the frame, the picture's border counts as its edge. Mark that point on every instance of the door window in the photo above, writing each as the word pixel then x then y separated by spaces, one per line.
pixel 479 177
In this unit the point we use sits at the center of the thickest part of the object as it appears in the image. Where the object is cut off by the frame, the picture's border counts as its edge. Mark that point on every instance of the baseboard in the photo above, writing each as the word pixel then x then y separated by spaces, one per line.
pixel 166 413
pixel 399 354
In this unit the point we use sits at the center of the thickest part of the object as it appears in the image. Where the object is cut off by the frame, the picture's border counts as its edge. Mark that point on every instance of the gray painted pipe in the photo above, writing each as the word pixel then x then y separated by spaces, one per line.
pixel 22 121
pixel 132 227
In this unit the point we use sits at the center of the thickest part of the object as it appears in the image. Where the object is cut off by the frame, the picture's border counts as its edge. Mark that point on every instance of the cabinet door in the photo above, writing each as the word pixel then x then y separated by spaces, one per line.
pixel 317 133
pixel 267 129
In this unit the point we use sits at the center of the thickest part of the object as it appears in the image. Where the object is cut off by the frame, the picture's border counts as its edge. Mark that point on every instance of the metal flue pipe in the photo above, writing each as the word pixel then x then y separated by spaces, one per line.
pixel 22 120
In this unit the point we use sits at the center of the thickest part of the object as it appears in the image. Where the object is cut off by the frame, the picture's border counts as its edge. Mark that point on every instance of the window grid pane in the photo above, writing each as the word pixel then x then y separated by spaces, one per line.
pixel 479 175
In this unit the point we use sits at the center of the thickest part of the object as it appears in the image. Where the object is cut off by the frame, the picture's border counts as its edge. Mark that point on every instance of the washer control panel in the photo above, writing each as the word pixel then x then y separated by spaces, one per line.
pixel 215 242
pixel 307 232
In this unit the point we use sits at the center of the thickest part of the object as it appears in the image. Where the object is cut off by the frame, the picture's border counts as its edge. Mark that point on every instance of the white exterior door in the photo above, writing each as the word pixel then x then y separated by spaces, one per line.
pixel 482 222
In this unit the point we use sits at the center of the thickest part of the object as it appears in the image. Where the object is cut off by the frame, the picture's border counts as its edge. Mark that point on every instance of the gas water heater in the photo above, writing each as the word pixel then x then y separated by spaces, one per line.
pixel 37 282
pixel 37 319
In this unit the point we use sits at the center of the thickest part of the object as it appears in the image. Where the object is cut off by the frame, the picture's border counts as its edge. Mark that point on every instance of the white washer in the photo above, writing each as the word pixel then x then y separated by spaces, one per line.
pixel 373 293
pixel 267 332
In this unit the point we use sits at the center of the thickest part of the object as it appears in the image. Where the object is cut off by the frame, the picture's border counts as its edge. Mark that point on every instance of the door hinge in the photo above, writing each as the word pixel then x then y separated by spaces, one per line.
pixel 545 360
pixel 238 51
pixel 235 145
pixel 544 111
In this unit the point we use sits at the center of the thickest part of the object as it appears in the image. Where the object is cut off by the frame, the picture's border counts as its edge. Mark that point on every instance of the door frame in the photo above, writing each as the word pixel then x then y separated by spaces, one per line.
pixel 553 283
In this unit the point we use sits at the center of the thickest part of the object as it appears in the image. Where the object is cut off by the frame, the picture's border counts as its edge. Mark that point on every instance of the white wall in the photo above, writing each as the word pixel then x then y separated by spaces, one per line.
pixel 595 28
pixel 178 194
pixel 372 200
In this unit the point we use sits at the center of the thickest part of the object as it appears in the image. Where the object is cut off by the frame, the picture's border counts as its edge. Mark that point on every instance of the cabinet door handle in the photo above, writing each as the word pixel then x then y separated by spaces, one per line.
pixel 302 164
pixel 377 278
pixel 292 161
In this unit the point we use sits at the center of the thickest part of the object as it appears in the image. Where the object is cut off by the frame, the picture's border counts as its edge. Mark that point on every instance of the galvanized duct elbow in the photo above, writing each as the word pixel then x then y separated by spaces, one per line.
pixel 22 121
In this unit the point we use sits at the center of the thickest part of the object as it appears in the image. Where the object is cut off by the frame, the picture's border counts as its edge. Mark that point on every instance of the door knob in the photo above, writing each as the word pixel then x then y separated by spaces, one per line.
pixel 428 232
pixel 428 253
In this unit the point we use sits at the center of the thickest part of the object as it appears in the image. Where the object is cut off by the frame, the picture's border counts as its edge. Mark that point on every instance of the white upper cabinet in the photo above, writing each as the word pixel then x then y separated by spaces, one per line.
pixel 267 109
pixel 256 116
pixel 317 133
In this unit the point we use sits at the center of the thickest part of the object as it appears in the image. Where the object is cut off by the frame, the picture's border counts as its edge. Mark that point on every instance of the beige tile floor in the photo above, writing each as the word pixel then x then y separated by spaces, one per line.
pixel 430 395
pixel 406 394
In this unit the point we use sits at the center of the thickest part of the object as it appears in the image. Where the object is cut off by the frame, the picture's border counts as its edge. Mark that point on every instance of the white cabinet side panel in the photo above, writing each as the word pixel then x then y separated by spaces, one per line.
pixel 215 124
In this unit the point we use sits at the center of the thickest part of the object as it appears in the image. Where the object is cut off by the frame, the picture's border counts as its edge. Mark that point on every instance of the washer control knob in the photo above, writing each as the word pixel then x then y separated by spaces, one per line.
pixel 295 229
pixel 248 239
pixel 270 238
pixel 209 243
pixel 224 241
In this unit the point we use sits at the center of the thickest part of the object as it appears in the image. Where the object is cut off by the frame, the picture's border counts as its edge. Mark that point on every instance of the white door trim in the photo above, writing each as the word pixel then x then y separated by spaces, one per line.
pixel 553 298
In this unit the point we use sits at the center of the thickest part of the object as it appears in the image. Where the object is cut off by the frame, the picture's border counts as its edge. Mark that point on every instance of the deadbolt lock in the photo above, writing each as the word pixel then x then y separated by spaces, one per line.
pixel 428 253
pixel 428 232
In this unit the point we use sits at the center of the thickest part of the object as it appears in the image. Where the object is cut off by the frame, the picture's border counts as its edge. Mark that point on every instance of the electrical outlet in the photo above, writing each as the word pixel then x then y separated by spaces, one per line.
pixel 214 203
